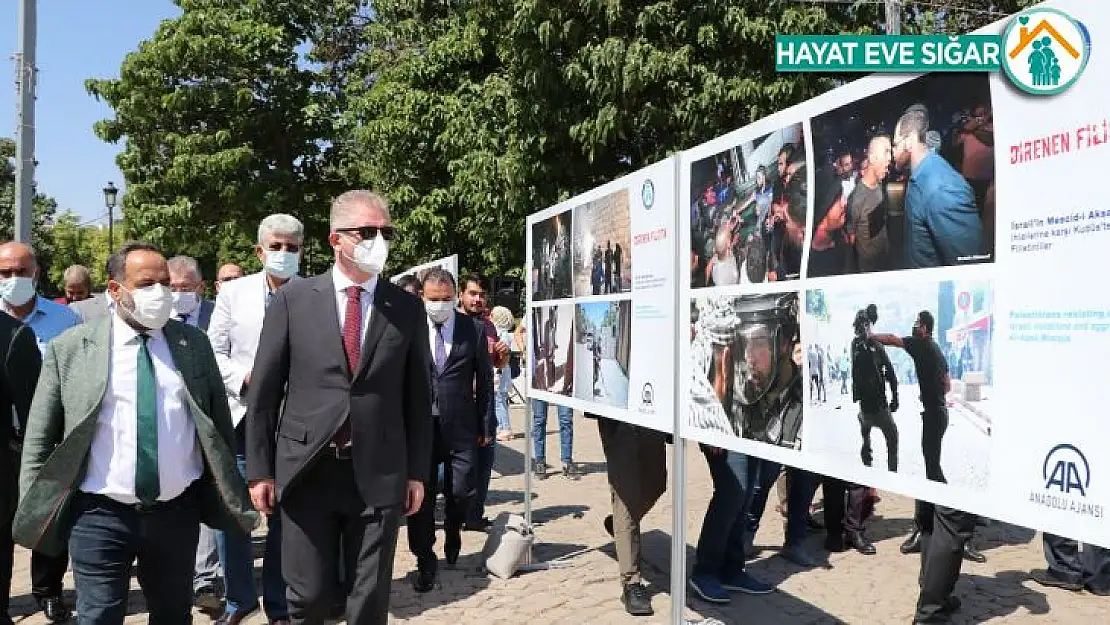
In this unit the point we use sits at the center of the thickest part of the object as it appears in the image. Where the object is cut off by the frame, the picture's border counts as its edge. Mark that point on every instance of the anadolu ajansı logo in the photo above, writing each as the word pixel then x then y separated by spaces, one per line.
pixel 1045 51
pixel 647 194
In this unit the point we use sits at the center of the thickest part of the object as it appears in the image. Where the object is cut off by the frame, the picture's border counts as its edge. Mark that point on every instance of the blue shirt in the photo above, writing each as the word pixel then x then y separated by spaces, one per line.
pixel 49 319
pixel 943 226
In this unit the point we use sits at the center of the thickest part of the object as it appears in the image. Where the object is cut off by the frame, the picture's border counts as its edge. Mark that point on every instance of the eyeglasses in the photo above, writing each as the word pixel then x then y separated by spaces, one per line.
pixel 370 232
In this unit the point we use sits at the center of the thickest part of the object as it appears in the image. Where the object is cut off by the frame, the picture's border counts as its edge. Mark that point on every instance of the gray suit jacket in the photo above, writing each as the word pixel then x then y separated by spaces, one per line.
pixel 63 421
pixel 95 306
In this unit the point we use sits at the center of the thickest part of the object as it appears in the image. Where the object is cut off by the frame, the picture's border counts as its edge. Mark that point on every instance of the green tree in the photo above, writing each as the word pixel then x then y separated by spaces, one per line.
pixel 76 243
pixel 226 119
pixel 44 209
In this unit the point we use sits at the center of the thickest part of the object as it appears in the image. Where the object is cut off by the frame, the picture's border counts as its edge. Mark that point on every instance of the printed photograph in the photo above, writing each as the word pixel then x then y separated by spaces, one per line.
pixel 603 246
pixel 901 378
pixel 552 353
pixel 748 211
pixel 905 179
pixel 551 262
pixel 747 367
pixel 603 345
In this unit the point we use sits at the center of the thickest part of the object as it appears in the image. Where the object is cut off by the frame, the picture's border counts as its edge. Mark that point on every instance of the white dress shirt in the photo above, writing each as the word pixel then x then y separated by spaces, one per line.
pixel 448 334
pixel 111 467
pixel 366 300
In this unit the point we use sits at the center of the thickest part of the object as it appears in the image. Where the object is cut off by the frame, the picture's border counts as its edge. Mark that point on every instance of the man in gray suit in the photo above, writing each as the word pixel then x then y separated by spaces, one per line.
pixel 129 447
pixel 339 418
pixel 190 307
pixel 19 370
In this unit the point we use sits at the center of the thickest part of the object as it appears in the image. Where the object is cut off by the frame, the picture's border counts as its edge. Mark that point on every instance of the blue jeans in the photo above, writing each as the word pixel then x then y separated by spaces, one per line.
pixel 539 431
pixel 237 555
pixel 720 550
pixel 501 410
pixel 484 467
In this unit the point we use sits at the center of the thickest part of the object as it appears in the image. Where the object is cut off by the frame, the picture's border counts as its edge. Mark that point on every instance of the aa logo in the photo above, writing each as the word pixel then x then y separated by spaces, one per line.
pixel 1045 51
pixel 1066 470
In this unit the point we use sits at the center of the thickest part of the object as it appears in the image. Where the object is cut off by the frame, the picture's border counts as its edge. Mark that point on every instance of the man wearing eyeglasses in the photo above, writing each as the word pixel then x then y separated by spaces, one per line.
pixel 234 330
pixel 339 418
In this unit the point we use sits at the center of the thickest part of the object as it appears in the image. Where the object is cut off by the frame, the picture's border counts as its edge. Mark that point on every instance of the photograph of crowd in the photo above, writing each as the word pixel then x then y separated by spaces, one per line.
pixel 551 251
pixel 903 380
pixel 552 356
pixel 603 345
pixel 746 367
pixel 748 211
pixel 603 246
pixel 905 179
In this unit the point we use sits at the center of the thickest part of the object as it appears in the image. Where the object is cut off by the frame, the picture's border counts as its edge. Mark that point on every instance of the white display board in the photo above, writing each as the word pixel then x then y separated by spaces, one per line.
pixel 955 194
pixel 601 299
pixel 450 263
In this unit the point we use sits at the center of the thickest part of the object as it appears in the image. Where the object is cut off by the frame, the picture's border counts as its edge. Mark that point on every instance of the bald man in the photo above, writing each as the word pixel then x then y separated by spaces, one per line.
pixel 866 224
pixel 19 272
pixel 227 273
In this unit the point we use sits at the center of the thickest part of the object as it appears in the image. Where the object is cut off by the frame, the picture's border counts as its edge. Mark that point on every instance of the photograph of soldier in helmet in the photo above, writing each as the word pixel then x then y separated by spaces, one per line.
pixel 746 372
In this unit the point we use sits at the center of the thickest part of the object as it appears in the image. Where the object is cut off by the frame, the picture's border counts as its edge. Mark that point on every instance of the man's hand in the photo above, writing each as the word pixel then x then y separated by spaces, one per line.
pixel 501 349
pixel 414 497
pixel 894 404
pixel 263 496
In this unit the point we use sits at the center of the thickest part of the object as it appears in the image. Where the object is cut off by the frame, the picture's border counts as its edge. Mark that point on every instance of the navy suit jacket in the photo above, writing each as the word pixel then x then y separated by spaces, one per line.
pixel 463 392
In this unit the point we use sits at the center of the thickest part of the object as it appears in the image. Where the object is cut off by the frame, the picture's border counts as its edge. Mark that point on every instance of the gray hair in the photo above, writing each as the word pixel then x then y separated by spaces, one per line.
pixel 77 273
pixel 280 223
pixel 184 265
pixel 342 205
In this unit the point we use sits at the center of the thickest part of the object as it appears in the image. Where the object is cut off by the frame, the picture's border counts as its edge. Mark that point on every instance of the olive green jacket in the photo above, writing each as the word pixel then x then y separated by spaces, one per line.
pixel 63 421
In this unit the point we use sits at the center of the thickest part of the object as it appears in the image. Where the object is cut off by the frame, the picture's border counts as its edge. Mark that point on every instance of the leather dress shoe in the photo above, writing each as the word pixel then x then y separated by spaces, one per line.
pixel 452 545
pixel 912 544
pixel 974 555
pixel 55 609
pixel 860 543
pixel 425 580
pixel 636 600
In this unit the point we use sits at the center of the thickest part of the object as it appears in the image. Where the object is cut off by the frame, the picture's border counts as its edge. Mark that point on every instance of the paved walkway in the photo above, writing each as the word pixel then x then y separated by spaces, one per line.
pixel 868 590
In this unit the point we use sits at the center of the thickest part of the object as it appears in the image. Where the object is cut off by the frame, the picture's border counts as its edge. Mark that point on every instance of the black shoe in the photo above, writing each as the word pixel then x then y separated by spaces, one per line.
pixel 608 525
pixel 207 599
pixel 912 544
pixel 572 471
pixel 860 543
pixel 974 555
pixel 798 555
pixel 55 609
pixel 636 600
pixel 1046 578
pixel 952 603
pixel 481 525
pixel 539 469
pixel 452 545
pixel 813 524
pixel 425 580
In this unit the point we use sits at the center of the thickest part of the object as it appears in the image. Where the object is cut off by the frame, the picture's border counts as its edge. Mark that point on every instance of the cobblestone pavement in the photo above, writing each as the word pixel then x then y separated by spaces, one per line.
pixel 857 589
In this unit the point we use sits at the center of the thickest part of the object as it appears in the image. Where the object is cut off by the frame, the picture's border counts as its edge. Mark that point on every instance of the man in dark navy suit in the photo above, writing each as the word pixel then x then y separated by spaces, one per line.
pixel 462 389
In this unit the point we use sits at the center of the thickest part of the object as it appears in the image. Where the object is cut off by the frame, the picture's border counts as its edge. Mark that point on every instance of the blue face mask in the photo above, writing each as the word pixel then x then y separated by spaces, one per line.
pixel 282 265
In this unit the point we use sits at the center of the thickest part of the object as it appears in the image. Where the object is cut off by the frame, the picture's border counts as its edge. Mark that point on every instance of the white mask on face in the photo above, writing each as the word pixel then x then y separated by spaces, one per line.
pixel 17 290
pixel 370 256
pixel 439 312
pixel 282 265
pixel 152 306
pixel 185 303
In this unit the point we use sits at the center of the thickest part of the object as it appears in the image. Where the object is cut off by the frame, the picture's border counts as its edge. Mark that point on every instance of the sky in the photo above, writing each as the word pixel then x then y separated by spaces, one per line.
pixel 77 39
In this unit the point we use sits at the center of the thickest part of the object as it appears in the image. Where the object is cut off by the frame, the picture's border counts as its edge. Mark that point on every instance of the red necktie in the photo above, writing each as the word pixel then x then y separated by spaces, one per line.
pixel 352 345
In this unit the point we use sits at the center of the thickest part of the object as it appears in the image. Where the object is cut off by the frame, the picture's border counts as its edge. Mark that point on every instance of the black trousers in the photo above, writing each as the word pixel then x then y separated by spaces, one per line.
pixel 884 420
pixel 934 423
pixel 319 511
pixel 107 540
pixel 7 562
pixel 944 532
pixel 47 573
pixel 1089 567
pixel 458 489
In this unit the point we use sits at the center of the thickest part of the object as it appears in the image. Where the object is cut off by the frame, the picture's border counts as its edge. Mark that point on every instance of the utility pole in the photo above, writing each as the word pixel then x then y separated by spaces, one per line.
pixel 893 17
pixel 25 132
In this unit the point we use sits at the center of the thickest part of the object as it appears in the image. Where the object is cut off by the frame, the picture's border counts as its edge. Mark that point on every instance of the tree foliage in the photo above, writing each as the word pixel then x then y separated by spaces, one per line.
pixel 76 243
pixel 467 114
pixel 44 208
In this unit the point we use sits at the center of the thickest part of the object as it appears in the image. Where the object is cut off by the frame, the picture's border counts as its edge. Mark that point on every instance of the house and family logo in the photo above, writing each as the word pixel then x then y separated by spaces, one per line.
pixel 1066 482
pixel 1043 51
pixel 1046 51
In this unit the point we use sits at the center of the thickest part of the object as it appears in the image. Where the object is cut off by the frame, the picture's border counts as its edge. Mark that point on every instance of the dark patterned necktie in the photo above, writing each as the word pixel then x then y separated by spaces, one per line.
pixel 352 346
pixel 441 349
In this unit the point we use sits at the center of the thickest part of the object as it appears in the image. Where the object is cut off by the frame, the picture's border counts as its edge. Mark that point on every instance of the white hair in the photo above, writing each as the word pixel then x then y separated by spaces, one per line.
pixel 280 223
pixel 184 265
pixel 77 273
pixel 342 206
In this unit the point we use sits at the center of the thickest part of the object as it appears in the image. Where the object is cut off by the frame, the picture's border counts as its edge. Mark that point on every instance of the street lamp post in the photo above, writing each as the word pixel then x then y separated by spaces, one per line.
pixel 110 195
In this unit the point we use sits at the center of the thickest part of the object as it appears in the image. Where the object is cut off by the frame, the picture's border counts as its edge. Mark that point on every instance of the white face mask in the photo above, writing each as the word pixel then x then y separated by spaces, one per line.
pixel 17 290
pixel 439 312
pixel 185 303
pixel 282 265
pixel 152 306
pixel 370 256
